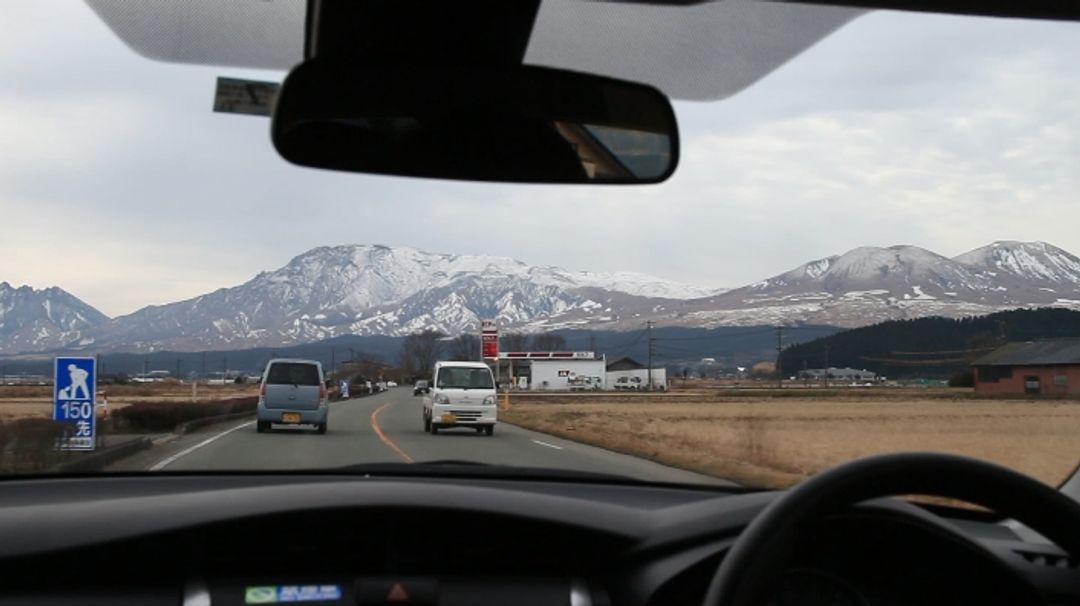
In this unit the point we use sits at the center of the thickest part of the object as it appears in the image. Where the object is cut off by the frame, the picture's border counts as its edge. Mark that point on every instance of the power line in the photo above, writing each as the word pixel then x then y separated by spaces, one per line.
pixel 635 337
pixel 672 348
pixel 719 336
pixel 625 348
pixel 943 352
pixel 904 362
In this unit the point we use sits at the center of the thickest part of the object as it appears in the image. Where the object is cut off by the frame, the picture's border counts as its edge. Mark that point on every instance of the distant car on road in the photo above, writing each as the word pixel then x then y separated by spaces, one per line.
pixel 390 384
pixel 421 387
pixel 292 392
pixel 462 395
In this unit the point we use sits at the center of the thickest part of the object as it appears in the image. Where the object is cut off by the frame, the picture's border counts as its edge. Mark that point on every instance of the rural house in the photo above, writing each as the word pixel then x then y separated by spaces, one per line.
pixel 1049 367
pixel 628 373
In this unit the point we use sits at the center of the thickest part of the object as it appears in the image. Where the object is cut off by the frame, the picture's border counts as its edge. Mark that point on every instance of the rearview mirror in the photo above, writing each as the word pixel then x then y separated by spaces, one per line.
pixel 521 124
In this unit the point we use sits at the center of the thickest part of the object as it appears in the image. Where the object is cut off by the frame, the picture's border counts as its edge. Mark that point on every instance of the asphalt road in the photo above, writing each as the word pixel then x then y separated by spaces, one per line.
pixel 387 428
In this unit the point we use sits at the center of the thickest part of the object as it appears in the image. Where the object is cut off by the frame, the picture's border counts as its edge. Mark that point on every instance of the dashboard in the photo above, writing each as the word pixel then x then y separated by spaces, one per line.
pixel 420 541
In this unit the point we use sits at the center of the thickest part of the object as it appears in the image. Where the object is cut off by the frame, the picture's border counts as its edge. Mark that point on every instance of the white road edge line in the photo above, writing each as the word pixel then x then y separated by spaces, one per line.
pixel 548 445
pixel 162 464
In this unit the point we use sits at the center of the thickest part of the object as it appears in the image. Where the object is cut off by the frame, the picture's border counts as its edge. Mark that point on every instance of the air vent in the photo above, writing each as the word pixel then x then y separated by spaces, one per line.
pixel 1050 560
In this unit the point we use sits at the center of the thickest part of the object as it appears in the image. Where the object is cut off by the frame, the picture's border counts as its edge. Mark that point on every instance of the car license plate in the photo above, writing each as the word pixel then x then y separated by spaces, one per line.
pixel 449 418
pixel 290 417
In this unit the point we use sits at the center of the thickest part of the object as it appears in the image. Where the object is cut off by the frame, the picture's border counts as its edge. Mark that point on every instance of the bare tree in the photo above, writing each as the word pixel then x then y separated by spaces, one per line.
pixel 548 342
pixel 465 347
pixel 365 367
pixel 420 351
pixel 513 341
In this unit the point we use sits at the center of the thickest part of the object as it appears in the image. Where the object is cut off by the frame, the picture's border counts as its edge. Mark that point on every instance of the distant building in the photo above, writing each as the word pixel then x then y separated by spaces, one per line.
pixel 844 375
pixel 550 370
pixel 154 376
pixel 567 374
pixel 628 373
pixel 1049 367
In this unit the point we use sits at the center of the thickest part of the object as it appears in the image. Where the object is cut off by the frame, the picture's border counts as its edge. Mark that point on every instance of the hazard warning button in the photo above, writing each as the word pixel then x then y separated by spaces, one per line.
pixel 408 591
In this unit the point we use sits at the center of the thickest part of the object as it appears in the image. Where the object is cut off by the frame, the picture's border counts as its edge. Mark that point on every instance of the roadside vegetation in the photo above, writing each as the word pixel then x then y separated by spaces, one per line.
pixel 775 438
pixel 28 434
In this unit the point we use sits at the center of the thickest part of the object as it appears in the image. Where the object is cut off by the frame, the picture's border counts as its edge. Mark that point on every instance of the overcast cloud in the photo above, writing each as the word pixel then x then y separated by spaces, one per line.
pixel 120 185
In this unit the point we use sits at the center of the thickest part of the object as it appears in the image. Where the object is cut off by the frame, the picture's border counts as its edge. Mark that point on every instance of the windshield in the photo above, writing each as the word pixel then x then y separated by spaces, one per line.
pixel 870 248
pixel 292 373
pixel 464 378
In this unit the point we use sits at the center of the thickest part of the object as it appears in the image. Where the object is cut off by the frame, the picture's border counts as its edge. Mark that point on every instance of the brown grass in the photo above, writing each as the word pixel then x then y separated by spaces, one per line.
pixel 17 402
pixel 775 441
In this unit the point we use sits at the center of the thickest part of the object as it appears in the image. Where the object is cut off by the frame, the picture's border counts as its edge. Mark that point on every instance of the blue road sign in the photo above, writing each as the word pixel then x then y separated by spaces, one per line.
pixel 74 383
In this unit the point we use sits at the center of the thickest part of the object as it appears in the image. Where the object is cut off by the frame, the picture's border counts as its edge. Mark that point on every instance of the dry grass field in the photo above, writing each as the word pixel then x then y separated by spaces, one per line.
pixel 776 438
pixel 18 402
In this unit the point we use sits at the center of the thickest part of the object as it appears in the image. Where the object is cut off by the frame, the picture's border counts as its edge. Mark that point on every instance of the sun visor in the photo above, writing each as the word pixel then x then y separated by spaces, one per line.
pixel 698 52
pixel 268 34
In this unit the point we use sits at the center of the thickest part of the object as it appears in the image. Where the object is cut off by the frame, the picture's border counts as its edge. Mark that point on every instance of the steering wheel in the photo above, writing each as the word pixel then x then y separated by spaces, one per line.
pixel 758 557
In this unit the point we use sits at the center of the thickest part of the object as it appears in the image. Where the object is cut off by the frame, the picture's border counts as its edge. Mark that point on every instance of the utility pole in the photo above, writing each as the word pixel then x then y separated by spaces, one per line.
pixel 826 365
pixel 224 368
pixel 145 367
pixel 779 354
pixel 649 328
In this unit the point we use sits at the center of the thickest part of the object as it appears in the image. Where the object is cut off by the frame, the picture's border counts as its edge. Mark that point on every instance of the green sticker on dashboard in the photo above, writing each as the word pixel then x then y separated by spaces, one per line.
pixel 261 595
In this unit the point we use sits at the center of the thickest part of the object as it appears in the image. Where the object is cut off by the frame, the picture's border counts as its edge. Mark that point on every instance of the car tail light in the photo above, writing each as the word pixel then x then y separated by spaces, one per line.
pixel 262 390
pixel 322 391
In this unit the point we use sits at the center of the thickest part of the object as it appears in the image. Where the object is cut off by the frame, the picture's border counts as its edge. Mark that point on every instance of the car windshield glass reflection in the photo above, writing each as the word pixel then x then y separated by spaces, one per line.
pixel 464 378
pixel 283 373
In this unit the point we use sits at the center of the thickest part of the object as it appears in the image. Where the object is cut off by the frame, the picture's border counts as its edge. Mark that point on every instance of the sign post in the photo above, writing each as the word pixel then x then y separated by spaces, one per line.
pixel 489 339
pixel 489 345
pixel 74 389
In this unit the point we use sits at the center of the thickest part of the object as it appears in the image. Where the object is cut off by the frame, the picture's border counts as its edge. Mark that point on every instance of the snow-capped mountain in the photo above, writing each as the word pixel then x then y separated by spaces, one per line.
pixel 643 285
pixel 29 316
pixel 870 284
pixel 330 291
pixel 1026 261
pixel 379 290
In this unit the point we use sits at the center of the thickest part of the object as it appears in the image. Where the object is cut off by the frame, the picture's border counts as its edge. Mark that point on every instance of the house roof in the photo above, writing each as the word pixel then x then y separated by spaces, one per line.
pixel 1033 353
pixel 625 363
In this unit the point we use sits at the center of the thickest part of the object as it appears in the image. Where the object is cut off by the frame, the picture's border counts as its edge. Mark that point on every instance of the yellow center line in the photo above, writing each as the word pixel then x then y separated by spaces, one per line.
pixel 385 439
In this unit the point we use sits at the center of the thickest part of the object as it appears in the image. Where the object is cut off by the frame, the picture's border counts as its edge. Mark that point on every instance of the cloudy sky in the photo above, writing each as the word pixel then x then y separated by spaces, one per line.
pixel 120 185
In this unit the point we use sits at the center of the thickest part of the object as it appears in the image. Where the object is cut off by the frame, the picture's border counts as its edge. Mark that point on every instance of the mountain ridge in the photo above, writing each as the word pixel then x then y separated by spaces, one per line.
pixel 331 291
